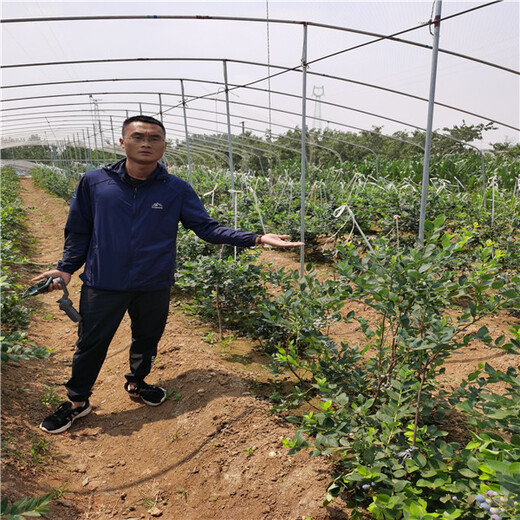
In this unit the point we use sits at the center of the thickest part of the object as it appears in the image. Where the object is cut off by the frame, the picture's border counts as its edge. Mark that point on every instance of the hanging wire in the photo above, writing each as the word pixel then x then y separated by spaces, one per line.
pixel 268 65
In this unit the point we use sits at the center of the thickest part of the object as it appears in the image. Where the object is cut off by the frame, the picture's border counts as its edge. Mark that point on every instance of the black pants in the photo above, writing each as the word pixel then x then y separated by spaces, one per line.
pixel 102 312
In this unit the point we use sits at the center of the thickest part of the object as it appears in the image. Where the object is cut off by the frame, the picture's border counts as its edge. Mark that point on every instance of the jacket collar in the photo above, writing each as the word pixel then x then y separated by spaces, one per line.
pixel 120 170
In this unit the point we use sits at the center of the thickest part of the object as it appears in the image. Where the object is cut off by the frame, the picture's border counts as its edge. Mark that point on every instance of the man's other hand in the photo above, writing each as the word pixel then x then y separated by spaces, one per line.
pixel 54 273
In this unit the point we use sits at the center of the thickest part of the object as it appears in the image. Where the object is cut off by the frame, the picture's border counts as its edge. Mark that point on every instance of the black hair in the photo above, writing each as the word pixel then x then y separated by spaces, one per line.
pixel 143 119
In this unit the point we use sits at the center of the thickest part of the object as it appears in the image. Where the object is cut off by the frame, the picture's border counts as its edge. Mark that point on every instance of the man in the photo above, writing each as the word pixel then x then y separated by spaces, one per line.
pixel 122 225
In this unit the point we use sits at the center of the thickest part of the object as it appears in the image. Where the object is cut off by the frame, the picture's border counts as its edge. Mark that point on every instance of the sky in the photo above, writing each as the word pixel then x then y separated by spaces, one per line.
pixel 373 82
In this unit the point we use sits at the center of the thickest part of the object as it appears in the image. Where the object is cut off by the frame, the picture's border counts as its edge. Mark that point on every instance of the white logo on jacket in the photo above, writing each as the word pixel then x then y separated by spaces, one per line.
pixel 157 205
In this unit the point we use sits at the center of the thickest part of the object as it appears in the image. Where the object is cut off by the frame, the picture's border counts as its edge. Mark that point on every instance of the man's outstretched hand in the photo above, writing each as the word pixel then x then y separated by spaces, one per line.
pixel 279 241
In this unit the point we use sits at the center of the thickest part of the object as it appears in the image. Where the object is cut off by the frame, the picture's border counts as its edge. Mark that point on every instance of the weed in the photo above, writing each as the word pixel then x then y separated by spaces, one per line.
pixel 226 341
pixel 41 451
pixel 58 492
pixel 49 398
pixel 244 359
pixel 149 503
pixel 210 338
pixel 173 436
pixel 170 395
pixel 34 506
pixel 183 493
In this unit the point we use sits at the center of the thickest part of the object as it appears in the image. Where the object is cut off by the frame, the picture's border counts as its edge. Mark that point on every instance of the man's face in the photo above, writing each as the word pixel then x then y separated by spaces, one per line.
pixel 143 143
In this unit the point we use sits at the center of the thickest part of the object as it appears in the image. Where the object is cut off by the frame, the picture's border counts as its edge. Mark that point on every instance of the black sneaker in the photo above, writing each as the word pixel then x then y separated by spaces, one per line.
pixel 152 395
pixel 64 416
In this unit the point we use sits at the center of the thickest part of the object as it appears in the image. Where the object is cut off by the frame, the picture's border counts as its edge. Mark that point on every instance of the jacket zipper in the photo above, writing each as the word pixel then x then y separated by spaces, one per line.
pixel 132 239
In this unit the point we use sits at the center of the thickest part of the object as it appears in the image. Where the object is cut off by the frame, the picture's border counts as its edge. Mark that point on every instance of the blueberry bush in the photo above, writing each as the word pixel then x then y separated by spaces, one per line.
pixel 376 408
pixel 383 418
pixel 15 312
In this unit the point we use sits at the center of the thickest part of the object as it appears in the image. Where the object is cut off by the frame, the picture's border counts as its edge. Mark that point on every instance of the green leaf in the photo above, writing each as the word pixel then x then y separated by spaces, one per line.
pixel 498 466
pixel 424 267
pixel 362 470
pixel 439 221
pixel 424 483
pixel 382 498
pixel 483 332
pixel 500 340
pixel 465 472
pixel 421 459
pixel 514 468
pixel 399 485
pixel 472 463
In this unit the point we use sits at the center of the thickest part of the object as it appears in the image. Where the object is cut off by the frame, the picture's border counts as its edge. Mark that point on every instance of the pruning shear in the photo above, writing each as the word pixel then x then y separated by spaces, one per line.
pixel 64 301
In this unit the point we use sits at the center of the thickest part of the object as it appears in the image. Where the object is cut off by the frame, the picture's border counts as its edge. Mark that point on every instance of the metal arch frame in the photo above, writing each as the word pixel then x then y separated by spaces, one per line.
pixel 372 34
pixel 250 87
pixel 258 120
pixel 259 64
pixel 265 150
pixel 291 113
pixel 304 66
pixel 270 144
pixel 7 145
pixel 233 102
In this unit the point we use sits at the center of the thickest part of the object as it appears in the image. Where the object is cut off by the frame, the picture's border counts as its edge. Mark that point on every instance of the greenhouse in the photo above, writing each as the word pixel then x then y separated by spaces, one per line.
pixel 370 373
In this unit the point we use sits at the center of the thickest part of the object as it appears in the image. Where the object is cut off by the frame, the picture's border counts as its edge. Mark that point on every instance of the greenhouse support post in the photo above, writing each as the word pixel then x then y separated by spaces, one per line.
pixel 161 117
pixel 186 131
pixel 431 102
pixel 69 148
pixel 102 142
pixel 87 145
pixel 113 138
pixel 82 150
pixel 76 149
pixel 95 141
pixel 230 149
pixel 81 153
pixel 484 182
pixel 303 150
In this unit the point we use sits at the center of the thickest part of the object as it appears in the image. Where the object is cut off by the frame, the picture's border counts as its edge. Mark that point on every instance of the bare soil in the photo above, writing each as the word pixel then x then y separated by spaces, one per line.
pixel 212 451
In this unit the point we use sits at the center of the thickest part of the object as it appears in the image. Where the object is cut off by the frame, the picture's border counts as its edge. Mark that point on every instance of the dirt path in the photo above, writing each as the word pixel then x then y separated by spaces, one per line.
pixel 210 452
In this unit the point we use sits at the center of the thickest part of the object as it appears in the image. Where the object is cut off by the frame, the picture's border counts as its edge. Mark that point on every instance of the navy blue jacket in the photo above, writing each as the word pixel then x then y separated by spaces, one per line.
pixel 126 236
